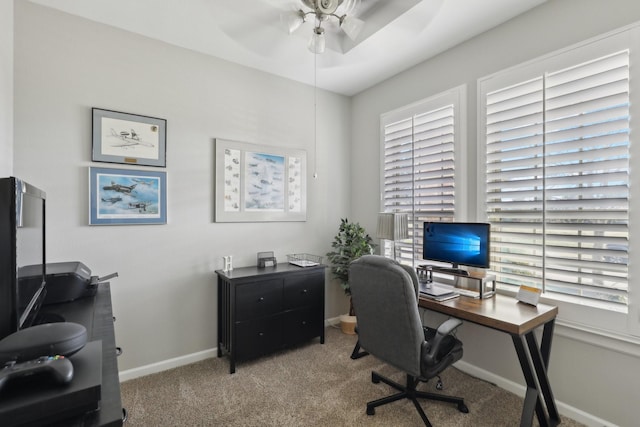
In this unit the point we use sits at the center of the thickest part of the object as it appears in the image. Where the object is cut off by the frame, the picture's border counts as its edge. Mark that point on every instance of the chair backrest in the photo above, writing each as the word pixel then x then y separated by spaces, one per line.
pixel 384 296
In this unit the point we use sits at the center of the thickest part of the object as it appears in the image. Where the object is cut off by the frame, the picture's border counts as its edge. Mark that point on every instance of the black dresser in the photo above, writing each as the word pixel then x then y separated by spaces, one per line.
pixel 262 310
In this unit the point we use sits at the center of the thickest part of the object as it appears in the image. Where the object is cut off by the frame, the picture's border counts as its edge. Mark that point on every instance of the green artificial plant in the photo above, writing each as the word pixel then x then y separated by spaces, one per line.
pixel 351 242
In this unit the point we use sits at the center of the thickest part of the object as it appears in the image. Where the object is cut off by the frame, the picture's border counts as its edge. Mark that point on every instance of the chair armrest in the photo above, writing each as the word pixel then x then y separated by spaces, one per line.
pixel 448 326
pixel 431 348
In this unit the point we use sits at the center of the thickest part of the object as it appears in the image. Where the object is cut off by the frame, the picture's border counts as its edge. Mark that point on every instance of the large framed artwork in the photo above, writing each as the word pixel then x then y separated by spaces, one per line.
pixel 128 138
pixel 124 196
pixel 259 183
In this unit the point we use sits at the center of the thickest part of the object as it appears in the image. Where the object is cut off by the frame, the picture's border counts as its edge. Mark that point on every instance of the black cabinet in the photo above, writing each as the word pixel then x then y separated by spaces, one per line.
pixel 262 310
pixel 96 315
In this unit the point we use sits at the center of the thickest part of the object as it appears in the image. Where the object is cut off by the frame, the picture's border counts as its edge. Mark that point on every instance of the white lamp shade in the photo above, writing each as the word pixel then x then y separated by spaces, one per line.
pixel 393 226
pixel 351 26
pixel 317 42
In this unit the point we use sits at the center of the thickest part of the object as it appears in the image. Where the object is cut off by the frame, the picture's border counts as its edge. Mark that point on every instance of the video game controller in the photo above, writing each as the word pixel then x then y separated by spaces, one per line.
pixel 59 368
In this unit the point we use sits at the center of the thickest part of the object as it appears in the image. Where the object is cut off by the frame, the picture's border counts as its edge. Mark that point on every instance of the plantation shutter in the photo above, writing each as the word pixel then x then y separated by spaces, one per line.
pixel 419 172
pixel 558 181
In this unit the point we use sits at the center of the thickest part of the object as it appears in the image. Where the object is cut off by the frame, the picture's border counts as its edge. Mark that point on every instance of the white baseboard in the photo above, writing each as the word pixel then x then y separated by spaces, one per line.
pixel 164 365
pixel 519 390
pixel 332 321
pixel 154 368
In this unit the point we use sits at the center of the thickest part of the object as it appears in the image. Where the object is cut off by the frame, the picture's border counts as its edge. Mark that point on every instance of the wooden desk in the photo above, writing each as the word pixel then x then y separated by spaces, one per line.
pixel 519 320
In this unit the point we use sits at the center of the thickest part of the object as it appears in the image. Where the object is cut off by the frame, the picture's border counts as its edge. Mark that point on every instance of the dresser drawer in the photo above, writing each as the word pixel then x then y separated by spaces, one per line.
pixel 301 325
pixel 304 290
pixel 257 337
pixel 258 299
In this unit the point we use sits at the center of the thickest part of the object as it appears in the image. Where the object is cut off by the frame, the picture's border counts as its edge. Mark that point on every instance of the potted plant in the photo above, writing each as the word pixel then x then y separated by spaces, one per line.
pixel 351 242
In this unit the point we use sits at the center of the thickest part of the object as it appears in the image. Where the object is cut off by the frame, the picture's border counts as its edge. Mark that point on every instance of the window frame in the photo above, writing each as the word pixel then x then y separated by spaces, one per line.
pixel 457 97
pixel 620 326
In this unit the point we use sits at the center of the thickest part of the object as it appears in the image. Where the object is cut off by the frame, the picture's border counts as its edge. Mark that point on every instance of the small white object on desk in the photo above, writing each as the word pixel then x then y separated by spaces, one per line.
pixel 528 295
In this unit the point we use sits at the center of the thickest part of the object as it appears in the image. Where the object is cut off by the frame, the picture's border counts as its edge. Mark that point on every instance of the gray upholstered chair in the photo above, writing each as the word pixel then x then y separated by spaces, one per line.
pixel 384 295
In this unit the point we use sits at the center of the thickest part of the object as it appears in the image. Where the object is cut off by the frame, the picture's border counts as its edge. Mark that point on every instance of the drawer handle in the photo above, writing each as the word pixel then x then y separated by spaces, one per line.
pixel 260 299
pixel 304 322
pixel 260 334
pixel 304 291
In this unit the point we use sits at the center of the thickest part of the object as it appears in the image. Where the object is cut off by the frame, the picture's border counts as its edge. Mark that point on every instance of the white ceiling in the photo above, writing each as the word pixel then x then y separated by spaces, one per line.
pixel 397 35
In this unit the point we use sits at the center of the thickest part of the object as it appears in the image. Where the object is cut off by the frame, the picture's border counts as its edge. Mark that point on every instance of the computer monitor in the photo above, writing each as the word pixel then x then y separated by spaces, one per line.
pixel 22 254
pixel 457 243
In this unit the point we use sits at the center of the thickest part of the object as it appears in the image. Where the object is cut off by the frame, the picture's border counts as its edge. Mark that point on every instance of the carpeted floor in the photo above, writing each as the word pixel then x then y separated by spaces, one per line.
pixel 312 385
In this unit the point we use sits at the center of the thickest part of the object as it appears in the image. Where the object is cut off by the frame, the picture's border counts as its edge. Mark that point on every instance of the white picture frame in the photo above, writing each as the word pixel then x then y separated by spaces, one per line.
pixel 257 183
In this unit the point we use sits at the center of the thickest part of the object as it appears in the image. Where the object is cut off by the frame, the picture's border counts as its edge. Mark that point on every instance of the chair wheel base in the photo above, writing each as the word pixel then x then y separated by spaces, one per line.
pixel 371 411
pixel 463 408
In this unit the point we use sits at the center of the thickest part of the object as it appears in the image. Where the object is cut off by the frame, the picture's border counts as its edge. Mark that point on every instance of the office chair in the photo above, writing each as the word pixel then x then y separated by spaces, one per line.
pixel 384 295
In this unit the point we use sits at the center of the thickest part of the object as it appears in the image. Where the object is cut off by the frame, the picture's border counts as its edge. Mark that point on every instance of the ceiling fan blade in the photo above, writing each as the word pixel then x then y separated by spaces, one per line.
pixel 255 25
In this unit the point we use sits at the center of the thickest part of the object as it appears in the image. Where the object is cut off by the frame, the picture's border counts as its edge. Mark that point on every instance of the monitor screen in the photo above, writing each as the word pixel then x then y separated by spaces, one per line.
pixel 22 254
pixel 458 243
pixel 30 253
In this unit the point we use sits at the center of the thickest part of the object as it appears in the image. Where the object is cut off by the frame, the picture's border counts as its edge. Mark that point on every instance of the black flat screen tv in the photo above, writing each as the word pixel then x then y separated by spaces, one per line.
pixel 457 243
pixel 22 249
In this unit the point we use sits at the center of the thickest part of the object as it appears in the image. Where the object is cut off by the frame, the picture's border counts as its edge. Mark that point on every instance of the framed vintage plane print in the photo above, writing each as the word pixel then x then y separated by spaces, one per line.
pixel 128 138
pixel 256 183
pixel 126 196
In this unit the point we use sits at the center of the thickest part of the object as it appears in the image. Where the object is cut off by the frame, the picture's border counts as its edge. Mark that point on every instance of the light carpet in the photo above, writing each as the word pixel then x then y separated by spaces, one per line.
pixel 310 385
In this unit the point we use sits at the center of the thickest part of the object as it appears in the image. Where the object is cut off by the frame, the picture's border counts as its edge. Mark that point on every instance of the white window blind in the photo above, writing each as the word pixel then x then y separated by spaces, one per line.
pixel 419 170
pixel 557 153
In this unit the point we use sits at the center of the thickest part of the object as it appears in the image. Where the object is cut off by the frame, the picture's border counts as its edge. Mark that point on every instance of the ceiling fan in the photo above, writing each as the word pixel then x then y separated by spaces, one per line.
pixel 322 11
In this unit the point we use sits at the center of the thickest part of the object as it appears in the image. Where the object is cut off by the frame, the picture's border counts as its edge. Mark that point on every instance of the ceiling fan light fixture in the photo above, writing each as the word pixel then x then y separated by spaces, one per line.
pixel 317 41
pixel 322 11
pixel 351 26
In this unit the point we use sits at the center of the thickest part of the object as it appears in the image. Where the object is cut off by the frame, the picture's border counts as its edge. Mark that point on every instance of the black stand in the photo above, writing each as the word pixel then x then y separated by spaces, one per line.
pixel 96 370
pixel 357 353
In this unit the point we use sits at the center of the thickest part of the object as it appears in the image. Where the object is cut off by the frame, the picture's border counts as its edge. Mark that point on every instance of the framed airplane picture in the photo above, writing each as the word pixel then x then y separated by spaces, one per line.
pixel 257 183
pixel 128 138
pixel 123 196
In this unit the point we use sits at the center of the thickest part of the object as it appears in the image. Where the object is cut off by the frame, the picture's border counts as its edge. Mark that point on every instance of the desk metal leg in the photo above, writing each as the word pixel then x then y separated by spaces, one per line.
pixel 534 365
pixel 540 358
pixel 532 396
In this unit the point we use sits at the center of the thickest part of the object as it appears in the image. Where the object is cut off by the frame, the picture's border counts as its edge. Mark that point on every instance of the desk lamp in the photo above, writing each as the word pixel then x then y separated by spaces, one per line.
pixel 392 226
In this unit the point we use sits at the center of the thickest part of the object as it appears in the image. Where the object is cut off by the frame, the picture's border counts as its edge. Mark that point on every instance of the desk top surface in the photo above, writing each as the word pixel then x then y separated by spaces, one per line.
pixel 499 312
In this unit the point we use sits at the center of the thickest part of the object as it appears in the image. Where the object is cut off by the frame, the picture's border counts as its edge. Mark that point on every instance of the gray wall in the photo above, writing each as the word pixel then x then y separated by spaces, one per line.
pixel 591 378
pixel 165 297
pixel 6 88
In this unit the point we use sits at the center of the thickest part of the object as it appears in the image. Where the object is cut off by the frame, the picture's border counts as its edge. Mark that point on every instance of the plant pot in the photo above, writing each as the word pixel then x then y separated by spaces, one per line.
pixel 348 324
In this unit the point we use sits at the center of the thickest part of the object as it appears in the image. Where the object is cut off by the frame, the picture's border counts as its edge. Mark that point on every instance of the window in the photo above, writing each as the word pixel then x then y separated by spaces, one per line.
pixel 556 135
pixel 419 154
